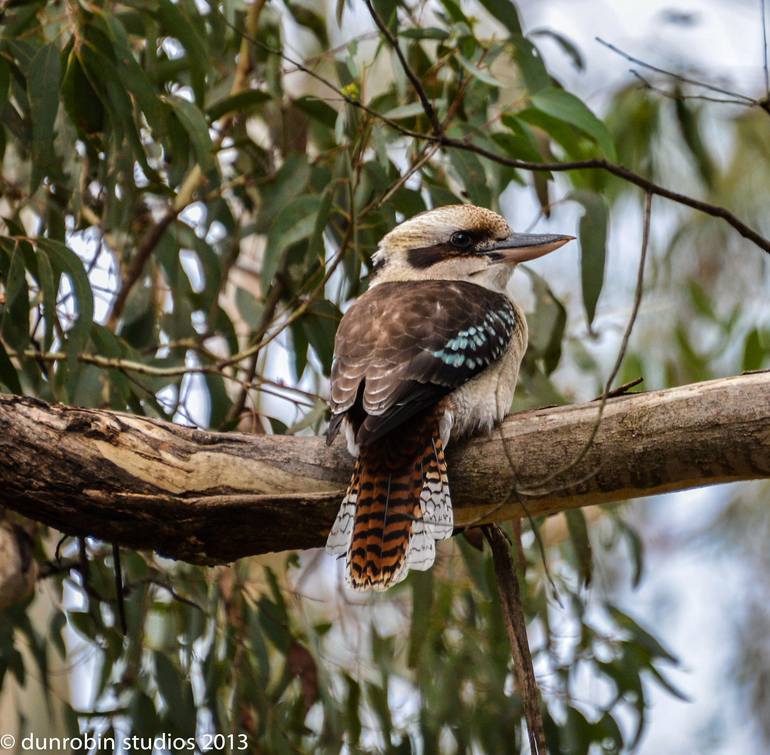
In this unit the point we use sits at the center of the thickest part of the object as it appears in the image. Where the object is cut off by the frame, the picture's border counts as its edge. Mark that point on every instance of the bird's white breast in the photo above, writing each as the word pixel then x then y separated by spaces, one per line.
pixel 486 399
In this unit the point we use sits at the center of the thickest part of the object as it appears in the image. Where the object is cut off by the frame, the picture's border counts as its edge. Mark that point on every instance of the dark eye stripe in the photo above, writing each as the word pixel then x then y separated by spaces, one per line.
pixel 425 256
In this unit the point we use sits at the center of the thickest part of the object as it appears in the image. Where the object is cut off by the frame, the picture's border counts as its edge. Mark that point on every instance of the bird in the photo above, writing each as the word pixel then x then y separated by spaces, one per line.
pixel 429 354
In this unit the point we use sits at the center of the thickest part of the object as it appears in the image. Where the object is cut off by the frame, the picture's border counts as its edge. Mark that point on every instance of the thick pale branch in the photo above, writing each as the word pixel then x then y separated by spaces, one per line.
pixel 212 497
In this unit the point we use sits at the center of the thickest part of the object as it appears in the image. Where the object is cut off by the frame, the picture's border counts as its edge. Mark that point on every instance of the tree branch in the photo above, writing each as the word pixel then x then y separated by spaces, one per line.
pixel 516 629
pixel 597 163
pixel 213 497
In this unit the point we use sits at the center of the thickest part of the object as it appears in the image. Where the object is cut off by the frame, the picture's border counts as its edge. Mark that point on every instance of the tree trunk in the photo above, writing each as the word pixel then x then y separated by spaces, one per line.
pixel 212 497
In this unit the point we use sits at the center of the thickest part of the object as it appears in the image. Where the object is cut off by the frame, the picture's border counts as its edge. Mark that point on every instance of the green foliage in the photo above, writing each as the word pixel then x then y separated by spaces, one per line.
pixel 167 151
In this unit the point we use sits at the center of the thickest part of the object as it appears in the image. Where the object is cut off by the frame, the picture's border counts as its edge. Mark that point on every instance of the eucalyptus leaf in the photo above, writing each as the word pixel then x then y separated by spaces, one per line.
pixel 478 73
pixel 592 233
pixel 565 43
pixel 8 375
pixel 5 82
pixel 66 261
pixel 194 123
pixel 14 324
pixel 504 11
pixel 179 23
pixel 578 532
pixel 43 91
pixel 424 32
pixel 242 102
pixel 566 107
pixel 294 222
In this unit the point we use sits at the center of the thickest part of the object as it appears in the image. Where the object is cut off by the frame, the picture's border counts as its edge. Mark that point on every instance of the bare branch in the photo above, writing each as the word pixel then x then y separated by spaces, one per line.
pixel 627 175
pixel 516 628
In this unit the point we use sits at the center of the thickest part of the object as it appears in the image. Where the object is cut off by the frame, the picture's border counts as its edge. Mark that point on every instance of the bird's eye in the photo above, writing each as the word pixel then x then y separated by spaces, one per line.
pixel 461 240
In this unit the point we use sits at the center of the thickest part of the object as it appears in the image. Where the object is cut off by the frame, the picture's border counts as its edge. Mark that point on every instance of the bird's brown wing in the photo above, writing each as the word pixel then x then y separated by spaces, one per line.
pixel 403 346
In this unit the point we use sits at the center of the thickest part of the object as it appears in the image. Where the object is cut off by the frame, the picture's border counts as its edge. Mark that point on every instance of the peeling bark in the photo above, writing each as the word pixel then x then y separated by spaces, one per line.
pixel 214 497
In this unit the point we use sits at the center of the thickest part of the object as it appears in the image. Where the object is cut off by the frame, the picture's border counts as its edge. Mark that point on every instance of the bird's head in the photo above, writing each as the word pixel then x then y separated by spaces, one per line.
pixel 458 242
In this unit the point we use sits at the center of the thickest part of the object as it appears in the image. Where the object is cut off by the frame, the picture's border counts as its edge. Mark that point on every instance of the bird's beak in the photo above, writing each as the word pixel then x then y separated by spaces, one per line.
pixel 522 247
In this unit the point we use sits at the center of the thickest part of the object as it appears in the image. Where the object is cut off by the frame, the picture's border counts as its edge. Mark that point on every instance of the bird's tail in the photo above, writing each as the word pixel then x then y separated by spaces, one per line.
pixel 396 507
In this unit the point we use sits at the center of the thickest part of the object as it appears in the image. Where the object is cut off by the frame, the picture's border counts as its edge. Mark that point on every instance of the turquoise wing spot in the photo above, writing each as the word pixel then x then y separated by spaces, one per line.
pixel 479 345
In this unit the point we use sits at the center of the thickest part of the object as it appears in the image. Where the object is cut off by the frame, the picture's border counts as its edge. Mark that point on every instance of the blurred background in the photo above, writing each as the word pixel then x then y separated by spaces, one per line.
pixel 273 192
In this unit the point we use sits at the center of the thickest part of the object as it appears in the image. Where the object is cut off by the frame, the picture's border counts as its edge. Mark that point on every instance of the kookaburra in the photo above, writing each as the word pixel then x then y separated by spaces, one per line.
pixel 430 353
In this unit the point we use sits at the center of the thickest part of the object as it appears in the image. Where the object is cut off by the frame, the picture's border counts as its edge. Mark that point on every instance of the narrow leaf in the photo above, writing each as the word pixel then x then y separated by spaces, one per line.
pixel 242 102
pixel 5 81
pixel 566 107
pixel 295 222
pixel 43 92
pixel 520 143
pixel 530 63
pixel 687 118
pixel 65 260
pixel 180 25
pixel 412 110
pixel 14 324
pixel 8 376
pixel 578 532
pixel 311 20
pixel 48 288
pixel 194 123
pixel 644 638
pixel 593 248
pixel 753 353
pixel 478 73
pixel 427 32
pixel 318 110
pixel 473 179
pixel 566 44
pixel 668 686
pixel 505 12
pixel 132 75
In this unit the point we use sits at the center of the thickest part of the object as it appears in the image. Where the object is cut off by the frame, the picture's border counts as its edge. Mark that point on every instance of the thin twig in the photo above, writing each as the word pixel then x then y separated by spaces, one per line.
pixel 677 76
pixel 410 74
pixel 618 360
pixel 266 319
pixel 679 96
pixel 621 390
pixel 138 261
pixel 119 589
pixel 164 586
pixel 764 50
pixel 127 367
pixel 516 628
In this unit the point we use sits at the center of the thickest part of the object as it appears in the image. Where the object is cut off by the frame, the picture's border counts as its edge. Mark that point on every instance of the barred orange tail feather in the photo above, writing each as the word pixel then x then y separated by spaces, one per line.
pixel 396 507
